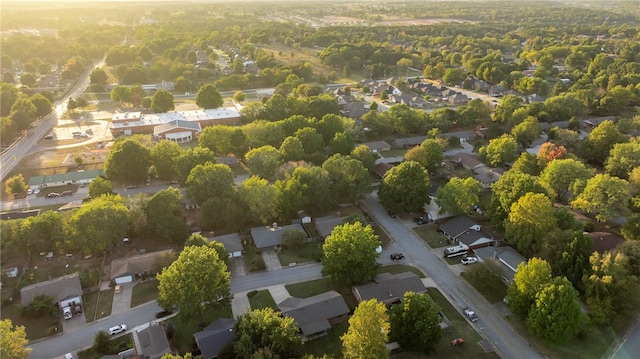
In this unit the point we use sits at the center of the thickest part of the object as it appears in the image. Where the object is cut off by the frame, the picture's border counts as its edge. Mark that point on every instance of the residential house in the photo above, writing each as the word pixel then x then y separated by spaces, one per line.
pixel 475 239
pixel 458 99
pixel 605 241
pixel 151 342
pixel 534 98
pixel 19 215
pixel 126 270
pixel 457 226
pixel 355 110
pixel 63 179
pixel 215 337
pixel 271 237
pixel 382 168
pixel 408 142
pixel 487 176
pixel 315 315
pixel 481 85
pixel 325 225
pixel 467 161
pixel 231 243
pixel 508 258
pixel 464 136
pixel 496 90
pixel 592 123
pixel 378 146
pixel 389 288
pixel 179 131
pixel 63 290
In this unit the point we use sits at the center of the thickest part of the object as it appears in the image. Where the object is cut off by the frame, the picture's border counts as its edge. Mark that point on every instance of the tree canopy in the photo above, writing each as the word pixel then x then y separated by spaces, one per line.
pixel 265 331
pixel 208 97
pixel 13 341
pixel 368 332
pixel 415 323
pixel 458 195
pixel 405 187
pixel 128 161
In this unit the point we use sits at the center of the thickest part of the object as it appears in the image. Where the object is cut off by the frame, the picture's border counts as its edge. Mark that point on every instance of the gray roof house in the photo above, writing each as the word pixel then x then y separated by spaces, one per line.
pixel 409 141
pixel 487 176
pixel 457 226
pixel 389 288
pixel 467 161
pixel 231 243
pixel 58 288
pixel 378 146
pixel 325 225
pixel 271 237
pixel 315 315
pixel 151 342
pixel 508 258
pixel 215 337
pixel 475 239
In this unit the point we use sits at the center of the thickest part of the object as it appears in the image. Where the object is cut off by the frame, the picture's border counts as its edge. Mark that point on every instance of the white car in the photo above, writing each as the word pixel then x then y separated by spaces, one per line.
pixel 30 191
pixel 469 260
pixel 36 191
pixel 118 329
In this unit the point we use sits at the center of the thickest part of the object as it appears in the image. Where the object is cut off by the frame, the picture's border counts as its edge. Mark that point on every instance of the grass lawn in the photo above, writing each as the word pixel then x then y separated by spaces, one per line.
pixel 460 329
pixel 144 292
pixel 253 258
pixel 97 304
pixel 309 252
pixel 261 299
pixel 382 235
pixel 490 286
pixel 330 344
pixel 185 327
pixel 400 268
pixel 429 233
pixel 117 345
pixel 35 328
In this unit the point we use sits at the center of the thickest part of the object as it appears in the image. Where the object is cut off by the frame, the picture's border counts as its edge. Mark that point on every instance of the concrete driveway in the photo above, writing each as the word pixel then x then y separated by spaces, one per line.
pixel 271 261
pixel 237 267
pixel 122 301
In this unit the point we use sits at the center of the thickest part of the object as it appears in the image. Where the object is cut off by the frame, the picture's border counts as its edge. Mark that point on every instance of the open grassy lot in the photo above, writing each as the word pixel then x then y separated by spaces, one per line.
pixel 309 252
pixel 429 233
pixel 330 344
pixel 185 327
pixel 35 328
pixel 261 299
pixel 117 345
pixel 97 304
pixel 144 292
pixel 491 287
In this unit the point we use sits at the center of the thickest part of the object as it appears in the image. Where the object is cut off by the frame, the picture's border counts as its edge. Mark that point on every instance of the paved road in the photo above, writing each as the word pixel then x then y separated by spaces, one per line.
pixel 630 346
pixel 508 343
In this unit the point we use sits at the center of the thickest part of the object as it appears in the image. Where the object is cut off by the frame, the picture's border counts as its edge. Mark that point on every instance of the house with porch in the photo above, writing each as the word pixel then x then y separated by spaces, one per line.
pixel 270 237
pixel 389 288
pixel 315 315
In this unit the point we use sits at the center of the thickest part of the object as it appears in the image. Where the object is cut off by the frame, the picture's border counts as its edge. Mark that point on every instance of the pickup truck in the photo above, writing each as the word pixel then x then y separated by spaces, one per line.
pixel 470 314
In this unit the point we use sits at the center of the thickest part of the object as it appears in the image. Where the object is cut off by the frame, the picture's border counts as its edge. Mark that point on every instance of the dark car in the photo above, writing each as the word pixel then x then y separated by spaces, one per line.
pixel 391 214
pixel 397 256
pixel 420 220
pixel 163 313
pixel 53 195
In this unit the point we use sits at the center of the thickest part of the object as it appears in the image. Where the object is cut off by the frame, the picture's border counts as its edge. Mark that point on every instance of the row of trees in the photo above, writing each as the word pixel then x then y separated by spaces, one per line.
pixel 18 111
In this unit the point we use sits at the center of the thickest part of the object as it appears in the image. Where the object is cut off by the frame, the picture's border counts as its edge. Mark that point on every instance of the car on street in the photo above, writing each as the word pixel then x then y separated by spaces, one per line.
pixel 397 256
pixel 471 315
pixel 53 195
pixel 131 186
pixel 420 220
pixel 36 191
pixel 391 214
pixel 469 260
pixel 457 341
pixel 66 193
pixel 117 329
pixel 30 191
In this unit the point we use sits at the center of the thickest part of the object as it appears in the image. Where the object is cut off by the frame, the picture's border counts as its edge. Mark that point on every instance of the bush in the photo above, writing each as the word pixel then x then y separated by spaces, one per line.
pixel 40 306
pixel 89 278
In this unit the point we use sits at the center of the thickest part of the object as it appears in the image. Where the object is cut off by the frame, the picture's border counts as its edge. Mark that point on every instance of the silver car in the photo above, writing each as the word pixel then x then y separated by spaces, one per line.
pixel 117 329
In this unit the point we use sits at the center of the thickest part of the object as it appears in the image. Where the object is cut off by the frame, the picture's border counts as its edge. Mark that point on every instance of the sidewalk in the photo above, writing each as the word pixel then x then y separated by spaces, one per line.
pixel 240 303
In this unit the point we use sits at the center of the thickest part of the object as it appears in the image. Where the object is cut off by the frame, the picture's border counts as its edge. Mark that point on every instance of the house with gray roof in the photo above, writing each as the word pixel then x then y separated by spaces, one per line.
pixel 231 242
pixel 62 179
pixel 487 176
pixel 382 168
pixel 217 335
pixel 457 226
pixel 508 258
pixel 378 146
pixel 389 288
pixel 408 142
pixel 271 237
pixel 475 239
pixel 325 225
pixel 60 289
pixel 462 135
pixel 605 241
pixel 315 315
pixel 126 270
pixel 151 342
pixel 467 161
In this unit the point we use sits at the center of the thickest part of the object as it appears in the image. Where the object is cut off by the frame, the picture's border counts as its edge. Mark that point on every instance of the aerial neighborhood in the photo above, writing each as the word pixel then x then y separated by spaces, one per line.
pixel 272 179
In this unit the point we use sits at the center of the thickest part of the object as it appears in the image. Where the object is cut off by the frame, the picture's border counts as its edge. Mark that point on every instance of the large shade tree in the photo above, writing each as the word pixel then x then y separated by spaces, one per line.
pixel 458 195
pixel 530 278
pixel 556 314
pixel 350 180
pixel 164 216
pixel 162 101
pixel 530 216
pixel 624 157
pixel 128 161
pixel 429 154
pixel 368 332
pixel 263 333
pixel 13 341
pixel 208 97
pixel 604 195
pixel 192 157
pixel 564 175
pixel 210 180
pixel 405 188
pixel 164 156
pixel 197 281
pixel 500 151
pixel 415 323
pixel 508 190
pixel 350 254
pixel 260 197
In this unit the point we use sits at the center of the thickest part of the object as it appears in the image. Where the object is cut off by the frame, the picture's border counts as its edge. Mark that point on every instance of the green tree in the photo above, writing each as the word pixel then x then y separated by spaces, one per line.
pixel 507 107
pixel 15 185
pixel 165 156
pixel 239 96
pixel 197 281
pixel 415 323
pixel 601 140
pixel 263 161
pixel 162 101
pixel 458 196
pixel 190 158
pixel 120 94
pixel 138 95
pixel 98 76
pixel 606 195
pixel 98 225
pixel 294 238
pixel 101 343
pixel 531 215
pixel 527 163
pixel 530 278
pixel 311 140
pixel 564 175
pixel 631 228
pixel 363 154
pixel 99 186
pixel 405 188
pixel 329 126
pixel 508 190
pixel 453 76
pixel 341 143
pixel 164 216
pixel 13 341
pixel 128 161
pixel 260 198
pixel 43 233
pixel 292 150
pixel 350 180
pixel 210 180
pixel 526 131
pixel 314 180
pixel 368 332
pixel 623 158
pixel 574 259
pixel 556 315
pixel 429 154
pixel 290 197
pixel 265 331
pixel 500 151
pixel 208 97
pixel 350 254
pixel 42 104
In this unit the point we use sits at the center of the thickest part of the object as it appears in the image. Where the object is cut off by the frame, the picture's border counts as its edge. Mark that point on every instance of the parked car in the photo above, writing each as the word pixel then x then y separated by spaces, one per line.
pixel 163 313
pixel 66 193
pixel 391 214
pixel 36 191
pixel 397 256
pixel 117 329
pixel 469 260
pixel 420 220
pixel 457 341
pixel 53 195
pixel 30 191
pixel 89 131
pixel 471 315
pixel 117 289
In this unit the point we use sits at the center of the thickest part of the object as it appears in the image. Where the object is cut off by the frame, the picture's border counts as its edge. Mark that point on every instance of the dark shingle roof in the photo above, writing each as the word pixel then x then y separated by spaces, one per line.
pixel 388 287
pixel 265 237
pixel 457 226
pixel 312 314
pixel 57 288
pixel 215 337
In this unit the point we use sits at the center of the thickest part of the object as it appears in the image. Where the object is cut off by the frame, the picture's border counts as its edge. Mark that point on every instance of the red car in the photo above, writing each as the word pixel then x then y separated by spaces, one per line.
pixel 457 341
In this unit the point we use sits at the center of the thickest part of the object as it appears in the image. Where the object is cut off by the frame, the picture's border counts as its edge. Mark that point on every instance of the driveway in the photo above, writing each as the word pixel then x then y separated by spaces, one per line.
pixel 271 261
pixel 122 300
pixel 237 267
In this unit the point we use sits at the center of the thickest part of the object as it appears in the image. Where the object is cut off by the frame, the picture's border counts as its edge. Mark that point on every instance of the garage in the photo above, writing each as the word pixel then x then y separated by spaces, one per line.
pixel 124 279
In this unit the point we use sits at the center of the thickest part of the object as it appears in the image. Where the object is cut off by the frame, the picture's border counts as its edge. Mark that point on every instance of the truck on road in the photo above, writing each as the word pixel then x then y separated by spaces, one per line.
pixel 471 315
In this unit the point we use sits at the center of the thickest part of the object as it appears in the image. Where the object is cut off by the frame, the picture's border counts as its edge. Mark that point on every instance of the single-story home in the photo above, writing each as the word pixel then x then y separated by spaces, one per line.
pixel 487 176
pixel 151 342
pixel 63 289
pixel 271 237
pixel 433 210
pixel 408 142
pixel 231 243
pixel 457 226
pixel 389 288
pixel 605 241
pixel 464 136
pixel 378 146
pixel 475 239
pixel 62 179
pixel 315 315
pixel 467 161
pixel 325 225
pixel 508 258
pixel 212 339
pixel 126 270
